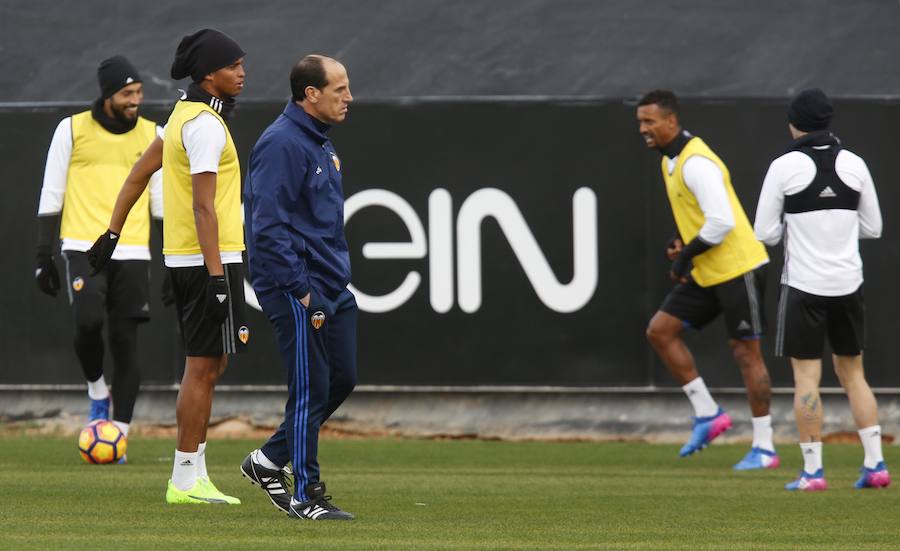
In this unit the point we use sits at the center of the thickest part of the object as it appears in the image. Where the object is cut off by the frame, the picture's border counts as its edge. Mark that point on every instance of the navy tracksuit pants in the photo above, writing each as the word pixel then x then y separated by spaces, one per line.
pixel 318 347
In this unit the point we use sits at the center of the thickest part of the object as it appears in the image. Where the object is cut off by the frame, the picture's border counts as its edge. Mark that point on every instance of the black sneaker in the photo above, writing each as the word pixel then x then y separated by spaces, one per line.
pixel 274 481
pixel 319 506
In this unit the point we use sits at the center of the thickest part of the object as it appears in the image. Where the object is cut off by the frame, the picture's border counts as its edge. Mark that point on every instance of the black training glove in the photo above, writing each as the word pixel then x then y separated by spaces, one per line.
pixel 102 250
pixel 168 292
pixel 672 247
pixel 45 274
pixel 215 306
pixel 682 265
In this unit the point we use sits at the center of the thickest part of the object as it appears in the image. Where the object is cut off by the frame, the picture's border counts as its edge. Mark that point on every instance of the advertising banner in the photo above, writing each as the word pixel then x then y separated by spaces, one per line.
pixel 492 243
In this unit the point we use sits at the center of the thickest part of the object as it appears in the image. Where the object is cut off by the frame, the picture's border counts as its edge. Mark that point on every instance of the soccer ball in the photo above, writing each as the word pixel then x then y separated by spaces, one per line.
pixel 102 442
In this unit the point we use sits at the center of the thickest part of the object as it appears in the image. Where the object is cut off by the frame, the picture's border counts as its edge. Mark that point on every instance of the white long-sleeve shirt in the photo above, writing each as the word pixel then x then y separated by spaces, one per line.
pixel 707 183
pixel 53 192
pixel 821 246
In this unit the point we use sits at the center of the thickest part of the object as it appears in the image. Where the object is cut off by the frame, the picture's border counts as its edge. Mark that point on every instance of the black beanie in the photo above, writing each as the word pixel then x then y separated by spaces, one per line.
pixel 114 74
pixel 204 52
pixel 810 110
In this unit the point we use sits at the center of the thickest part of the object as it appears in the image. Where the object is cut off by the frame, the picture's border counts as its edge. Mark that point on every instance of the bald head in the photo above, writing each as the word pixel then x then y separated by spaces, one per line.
pixel 309 71
pixel 320 85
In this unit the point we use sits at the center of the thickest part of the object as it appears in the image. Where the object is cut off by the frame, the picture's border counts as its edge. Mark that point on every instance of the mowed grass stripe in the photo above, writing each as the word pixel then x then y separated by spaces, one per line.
pixel 410 494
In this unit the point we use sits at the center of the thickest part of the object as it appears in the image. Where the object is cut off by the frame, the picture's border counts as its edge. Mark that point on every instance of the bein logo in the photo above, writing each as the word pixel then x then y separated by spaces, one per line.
pixel 467 263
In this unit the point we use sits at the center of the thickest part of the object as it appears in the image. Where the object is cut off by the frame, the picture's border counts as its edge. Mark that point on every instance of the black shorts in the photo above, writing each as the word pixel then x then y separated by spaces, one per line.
pixel 202 337
pixel 805 320
pixel 739 299
pixel 123 285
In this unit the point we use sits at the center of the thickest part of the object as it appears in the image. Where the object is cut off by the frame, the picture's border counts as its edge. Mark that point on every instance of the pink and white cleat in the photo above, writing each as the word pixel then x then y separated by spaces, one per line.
pixel 808 482
pixel 758 458
pixel 879 477
pixel 705 430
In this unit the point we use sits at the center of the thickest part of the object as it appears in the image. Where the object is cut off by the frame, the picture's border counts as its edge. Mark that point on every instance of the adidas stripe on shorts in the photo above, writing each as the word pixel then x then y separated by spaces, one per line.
pixel 740 300
pixel 202 337
pixel 805 321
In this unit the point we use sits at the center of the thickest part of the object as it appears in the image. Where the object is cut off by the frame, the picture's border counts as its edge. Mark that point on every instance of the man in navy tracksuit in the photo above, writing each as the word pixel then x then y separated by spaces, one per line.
pixel 300 268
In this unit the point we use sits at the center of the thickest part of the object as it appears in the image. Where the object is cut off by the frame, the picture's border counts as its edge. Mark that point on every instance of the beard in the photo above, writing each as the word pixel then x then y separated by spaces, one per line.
pixel 121 115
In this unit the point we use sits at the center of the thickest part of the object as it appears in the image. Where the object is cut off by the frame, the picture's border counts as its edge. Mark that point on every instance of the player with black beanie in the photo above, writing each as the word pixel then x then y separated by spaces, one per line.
pixel 203 241
pixel 818 198
pixel 91 152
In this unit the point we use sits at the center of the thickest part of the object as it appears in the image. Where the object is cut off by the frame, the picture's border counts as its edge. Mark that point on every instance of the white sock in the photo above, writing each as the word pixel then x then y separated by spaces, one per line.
pixel 762 433
pixel 97 390
pixel 184 472
pixel 812 457
pixel 201 461
pixel 871 441
pixel 261 458
pixel 701 399
pixel 122 427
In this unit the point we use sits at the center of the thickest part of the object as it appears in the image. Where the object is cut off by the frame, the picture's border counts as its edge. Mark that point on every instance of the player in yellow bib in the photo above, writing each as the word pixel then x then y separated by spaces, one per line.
pixel 89 156
pixel 719 268
pixel 203 241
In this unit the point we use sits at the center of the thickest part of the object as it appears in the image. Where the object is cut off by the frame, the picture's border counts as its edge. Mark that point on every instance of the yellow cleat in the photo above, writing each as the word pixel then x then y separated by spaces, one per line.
pixel 214 492
pixel 200 494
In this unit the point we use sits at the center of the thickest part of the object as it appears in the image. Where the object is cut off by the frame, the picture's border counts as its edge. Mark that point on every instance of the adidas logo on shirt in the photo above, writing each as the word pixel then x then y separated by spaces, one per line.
pixel 743 326
pixel 827 192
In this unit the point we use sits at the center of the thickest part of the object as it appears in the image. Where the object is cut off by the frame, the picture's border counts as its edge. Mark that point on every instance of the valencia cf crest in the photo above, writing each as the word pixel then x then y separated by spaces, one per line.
pixel 318 319
pixel 244 334
pixel 337 162
pixel 78 284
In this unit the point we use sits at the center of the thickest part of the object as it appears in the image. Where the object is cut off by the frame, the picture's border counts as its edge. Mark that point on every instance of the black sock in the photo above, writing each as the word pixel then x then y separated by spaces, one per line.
pixel 126 375
pixel 89 337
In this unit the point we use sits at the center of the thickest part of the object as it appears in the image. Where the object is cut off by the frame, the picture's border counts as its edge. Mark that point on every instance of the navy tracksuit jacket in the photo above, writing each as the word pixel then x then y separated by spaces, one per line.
pixel 294 223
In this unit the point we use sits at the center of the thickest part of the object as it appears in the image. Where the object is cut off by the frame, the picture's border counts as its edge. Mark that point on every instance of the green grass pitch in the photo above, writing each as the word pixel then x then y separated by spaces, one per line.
pixel 436 495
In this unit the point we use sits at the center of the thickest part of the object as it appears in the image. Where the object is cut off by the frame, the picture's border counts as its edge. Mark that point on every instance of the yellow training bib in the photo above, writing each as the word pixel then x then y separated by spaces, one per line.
pixel 180 231
pixel 98 166
pixel 740 252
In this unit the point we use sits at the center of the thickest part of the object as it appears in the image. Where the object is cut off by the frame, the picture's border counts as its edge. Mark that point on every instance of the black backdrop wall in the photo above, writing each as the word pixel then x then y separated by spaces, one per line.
pixel 527 242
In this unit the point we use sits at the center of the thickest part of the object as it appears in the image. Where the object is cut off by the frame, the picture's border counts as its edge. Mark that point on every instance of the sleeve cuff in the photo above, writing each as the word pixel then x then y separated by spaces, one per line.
pixel 697 247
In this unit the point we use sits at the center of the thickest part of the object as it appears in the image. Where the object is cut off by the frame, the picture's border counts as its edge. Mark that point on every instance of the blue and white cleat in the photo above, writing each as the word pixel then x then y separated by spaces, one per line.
pixel 705 430
pixel 99 410
pixel 879 477
pixel 808 482
pixel 758 458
